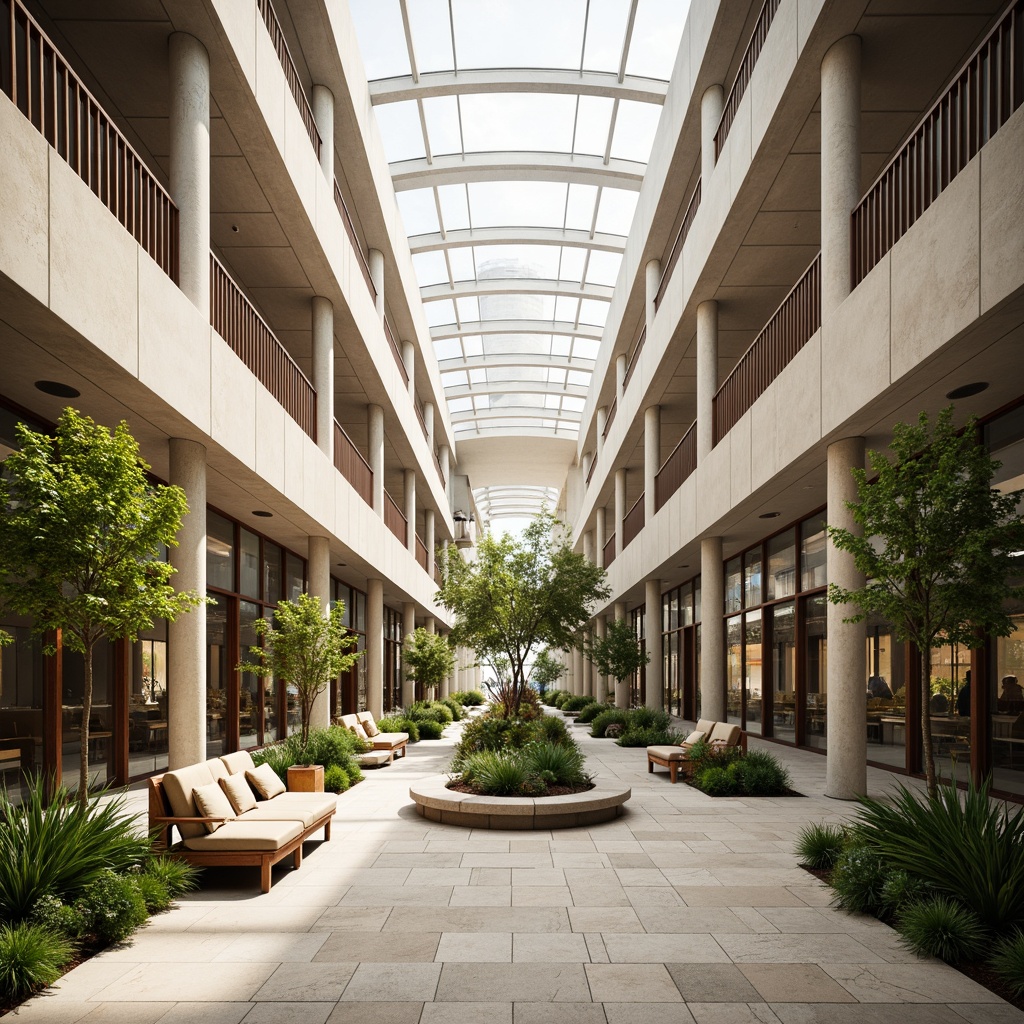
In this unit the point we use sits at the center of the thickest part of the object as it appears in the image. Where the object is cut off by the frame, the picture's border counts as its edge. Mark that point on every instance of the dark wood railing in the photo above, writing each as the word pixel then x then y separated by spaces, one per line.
pixel 396 351
pixel 236 320
pixel 394 519
pixel 349 462
pixel 634 355
pixel 421 553
pixel 677 246
pixel 676 468
pixel 440 471
pixel 350 230
pixel 634 521
pixel 609 551
pixel 790 328
pixel 612 409
pixel 42 85
pixel 746 69
pixel 421 418
pixel 974 107
pixel 593 466
pixel 291 74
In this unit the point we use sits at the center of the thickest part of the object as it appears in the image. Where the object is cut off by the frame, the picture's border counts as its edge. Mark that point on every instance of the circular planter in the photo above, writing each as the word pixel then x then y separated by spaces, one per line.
pixel 436 802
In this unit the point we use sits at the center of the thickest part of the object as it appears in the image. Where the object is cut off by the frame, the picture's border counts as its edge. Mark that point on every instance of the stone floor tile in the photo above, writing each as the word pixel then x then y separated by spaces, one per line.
pixel 45 1009
pixel 243 919
pixel 524 982
pixel 289 1013
pixel 481 896
pixel 536 947
pixel 271 947
pixel 321 982
pixel 794 949
pixel 344 946
pixel 506 860
pixel 388 982
pixel 490 876
pixel 733 1013
pixel 596 948
pixel 356 919
pixel 652 896
pixel 921 982
pixel 738 896
pixel 207 982
pixel 407 861
pixel 865 1013
pixel 648 1013
pixel 397 896
pixel 378 1013
pixel 812 895
pixel 693 948
pixel 631 983
pixel 988 1013
pixel 466 1013
pixel 538 876
pixel 475 947
pixel 634 861
pixel 371 876
pixel 123 1013
pixel 541 896
pixel 439 876
pixel 206 1013
pixel 558 1013
pixel 690 919
pixel 794 983
pixel 712 983
pixel 599 896
pixel 808 920
pixel 604 919
pixel 169 947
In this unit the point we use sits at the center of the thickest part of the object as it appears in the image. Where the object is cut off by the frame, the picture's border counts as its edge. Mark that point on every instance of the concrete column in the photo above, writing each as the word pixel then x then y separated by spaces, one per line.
pixel 588 462
pixel 409 360
pixel 319 570
pixel 375 430
pixel 620 508
pixel 652 282
pixel 712 630
pixel 655 697
pixel 429 540
pixel 621 686
pixel 444 457
pixel 599 537
pixel 323 373
pixel 600 425
pixel 323 114
pixel 712 103
pixel 375 647
pixel 652 457
pixel 600 681
pixel 846 736
pixel 190 164
pixel 186 636
pixel 408 628
pixel 840 166
pixel 588 545
pixel 410 511
pixel 429 624
pixel 375 258
pixel 620 375
pixel 588 676
pixel 707 376
pixel 577 672
pixel 428 421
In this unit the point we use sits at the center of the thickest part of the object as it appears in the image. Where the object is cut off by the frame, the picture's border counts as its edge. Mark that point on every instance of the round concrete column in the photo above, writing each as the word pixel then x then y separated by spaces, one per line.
pixel 588 545
pixel 319 569
pixel 375 647
pixel 840 166
pixel 323 373
pixel 409 361
pixel 600 681
pixel 375 431
pixel 410 511
pixel 189 118
pixel 707 376
pixel 652 282
pixel 846 682
pixel 712 103
pixel 375 260
pixel 620 375
pixel 323 115
pixel 577 671
pixel 652 457
pixel 429 540
pixel 186 636
pixel 588 462
pixel 620 508
pixel 652 641
pixel 712 630
pixel 621 685
pixel 428 422
pixel 408 628
pixel 444 457
pixel 599 537
pixel 600 425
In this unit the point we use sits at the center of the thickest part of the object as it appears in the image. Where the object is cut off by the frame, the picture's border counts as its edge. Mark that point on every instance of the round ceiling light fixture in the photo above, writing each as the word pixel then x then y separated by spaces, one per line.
pixel 56 388
pixel 769 515
pixel 263 513
pixel 967 390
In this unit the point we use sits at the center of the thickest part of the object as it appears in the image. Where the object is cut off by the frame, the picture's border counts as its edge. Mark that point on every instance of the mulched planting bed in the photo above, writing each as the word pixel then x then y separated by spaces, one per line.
pixel 742 796
pixel 462 787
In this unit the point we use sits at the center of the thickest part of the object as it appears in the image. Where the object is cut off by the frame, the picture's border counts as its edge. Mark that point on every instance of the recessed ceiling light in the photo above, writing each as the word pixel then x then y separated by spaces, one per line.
pixel 54 387
pixel 263 514
pixel 769 515
pixel 684 565
pixel 966 390
pixel 234 227
pixel 341 565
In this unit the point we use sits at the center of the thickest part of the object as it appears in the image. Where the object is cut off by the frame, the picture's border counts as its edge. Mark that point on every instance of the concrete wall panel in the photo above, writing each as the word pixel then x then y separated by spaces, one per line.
pixel 301 158
pixel 1002 205
pixel 773 70
pixel 232 402
pixel 241 20
pixel 798 393
pixel 739 462
pixel 270 438
pixel 271 87
pixel 294 462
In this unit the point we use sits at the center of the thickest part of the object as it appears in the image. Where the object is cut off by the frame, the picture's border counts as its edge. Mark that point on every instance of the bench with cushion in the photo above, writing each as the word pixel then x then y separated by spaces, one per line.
pixel 229 812
pixel 391 744
pixel 676 757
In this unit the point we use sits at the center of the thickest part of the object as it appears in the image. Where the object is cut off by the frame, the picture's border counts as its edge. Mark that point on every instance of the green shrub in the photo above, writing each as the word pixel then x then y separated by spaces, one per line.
pixel 941 927
pixel 763 774
pixel 496 774
pixel 468 698
pixel 649 719
pixel 818 846
pixel 154 892
pixel 334 745
pixel 278 756
pixel 398 723
pixel 354 772
pixel 557 764
pixel 900 889
pixel 113 905
pixel 430 730
pixel 553 696
pixel 31 956
pixel 430 711
pixel 553 730
pixel 717 781
pixel 1008 962
pixel 59 848
pixel 613 716
pixel 178 876
pixel 458 712
pixel 858 878
pixel 336 779
pixel 577 703
pixel 591 711
pixel 58 917
pixel 641 737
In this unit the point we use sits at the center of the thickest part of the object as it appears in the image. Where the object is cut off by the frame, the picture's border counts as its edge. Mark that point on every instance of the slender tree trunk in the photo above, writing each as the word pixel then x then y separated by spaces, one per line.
pixel 927 751
pixel 83 763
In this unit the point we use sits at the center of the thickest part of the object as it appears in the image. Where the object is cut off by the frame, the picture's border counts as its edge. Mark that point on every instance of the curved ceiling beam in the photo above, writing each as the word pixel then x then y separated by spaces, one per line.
pixel 484 431
pixel 515 387
pixel 516 165
pixel 452 83
pixel 435 241
pixel 559 327
pixel 517 412
pixel 516 286
pixel 487 361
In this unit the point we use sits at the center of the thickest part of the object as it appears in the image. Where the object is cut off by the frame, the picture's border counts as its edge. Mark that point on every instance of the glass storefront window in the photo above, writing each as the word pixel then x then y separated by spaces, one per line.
pixel 781 566
pixel 1006 721
pixel 734 669
pixel 220 552
pixel 752 578
pixel 733 586
pixel 273 572
pixel 101 716
pixel 249 704
pixel 296 577
pixel 886 695
pixel 21 708
pixel 784 672
pixel 752 677
pixel 147 703
pixel 249 564
pixel 686 606
pixel 216 675
pixel 812 554
pixel 816 670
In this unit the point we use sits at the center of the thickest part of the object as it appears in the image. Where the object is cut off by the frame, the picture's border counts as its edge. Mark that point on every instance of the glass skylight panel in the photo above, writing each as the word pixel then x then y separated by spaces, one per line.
pixel 603 267
pixel 440 312
pixel 580 377
pixel 517 203
pixel 430 268
pixel 579 210
pixel 442 116
pixel 477 377
pixel 615 214
pixel 606 26
pixel 535 260
pixel 572 404
pixel 401 131
pixel 454 206
pixel 379 28
pixel 573 258
pixel 431 34
pixel 454 379
pixel 468 309
pixel 560 345
pixel 566 309
pixel 448 348
pixel 463 267
pixel 481 402
pixel 556 377
pixel 552 402
pixel 419 212
pixel 585 348
pixel 528 121
pixel 460 404
pixel 593 120
pixel 473 346
pixel 518 344
pixel 524 34
pixel 634 130
pixel 656 33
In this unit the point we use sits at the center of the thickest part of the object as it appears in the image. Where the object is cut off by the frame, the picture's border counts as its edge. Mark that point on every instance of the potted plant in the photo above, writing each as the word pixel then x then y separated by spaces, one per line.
pixel 307 650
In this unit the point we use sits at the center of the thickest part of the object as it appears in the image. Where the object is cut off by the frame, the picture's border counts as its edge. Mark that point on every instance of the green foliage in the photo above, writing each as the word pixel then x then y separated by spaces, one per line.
pixel 520 593
pixel 305 648
pixel 1008 962
pixel 82 536
pixel 554 696
pixel 717 781
pixel 178 876
pixel 965 846
pixel 618 654
pixel 818 846
pixel 577 703
pixel 428 657
pixel 468 698
pixel 900 889
pixel 60 918
pixel 278 756
pixel 857 879
pixel 496 774
pixel 114 906
pixel 336 779
pixel 647 737
pixel 591 711
pixel 613 716
pixel 332 746
pixel 457 710
pixel 553 730
pixel 648 718
pixel 763 774
pixel 154 892
pixel 430 711
pixel 547 669
pixel 430 730
pixel 354 772
pixel 943 928
pixel 557 764
pixel 59 848
pixel 31 956
pixel 937 545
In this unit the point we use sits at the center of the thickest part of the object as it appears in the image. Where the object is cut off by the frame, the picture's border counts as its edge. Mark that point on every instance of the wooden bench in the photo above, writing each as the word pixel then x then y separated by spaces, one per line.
pixel 676 757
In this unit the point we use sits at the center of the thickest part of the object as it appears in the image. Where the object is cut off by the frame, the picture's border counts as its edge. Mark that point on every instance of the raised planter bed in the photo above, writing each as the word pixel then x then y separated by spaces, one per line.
pixel 436 802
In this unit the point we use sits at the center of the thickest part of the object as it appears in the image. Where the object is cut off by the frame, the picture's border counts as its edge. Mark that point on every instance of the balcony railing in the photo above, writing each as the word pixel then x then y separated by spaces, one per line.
pixel 42 85
pixel 421 418
pixel 394 519
pixel 440 471
pixel 593 466
pixel 612 409
pixel 634 521
pixel 976 105
pixel 609 551
pixel 746 69
pixel 677 246
pixel 676 468
pixel 349 462
pixel 634 355
pixel 290 73
pixel 235 319
pixel 421 553
pixel 790 328
pixel 350 230
pixel 396 351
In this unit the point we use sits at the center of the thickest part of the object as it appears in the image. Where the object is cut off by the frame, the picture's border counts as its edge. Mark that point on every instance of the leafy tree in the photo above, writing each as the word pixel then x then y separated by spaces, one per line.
pixel 519 594
pixel 305 648
pixel 618 654
pixel 938 545
pixel 547 669
pixel 82 533
pixel 428 657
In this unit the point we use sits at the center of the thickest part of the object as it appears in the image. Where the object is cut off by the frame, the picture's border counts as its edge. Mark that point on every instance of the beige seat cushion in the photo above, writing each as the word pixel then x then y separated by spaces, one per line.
pixel 726 734
pixel 359 731
pixel 668 753
pixel 349 721
pixel 178 786
pixel 212 802
pixel 239 761
pixel 307 813
pixel 373 758
pixel 257 836
pixel 217 768
pixel 705 725
pixel 266 782
pixel 239 792
pixel 321 803
pixel 697 734
pixel 389 740
pixel 365 719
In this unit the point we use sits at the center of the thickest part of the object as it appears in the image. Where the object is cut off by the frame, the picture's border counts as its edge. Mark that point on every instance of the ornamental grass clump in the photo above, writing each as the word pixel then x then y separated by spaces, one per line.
pixel 613 716
pixel 943 928
pixel 591 711
pixel 31 957
pixel 1008 963
pixel 819 846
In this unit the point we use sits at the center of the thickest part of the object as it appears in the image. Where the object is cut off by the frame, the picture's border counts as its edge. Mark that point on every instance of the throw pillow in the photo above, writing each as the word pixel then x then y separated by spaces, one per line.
pixel 266 782
pixel 212 803
pixel 694 736
pixel 370 726
pixel 238 792
pixel 359 731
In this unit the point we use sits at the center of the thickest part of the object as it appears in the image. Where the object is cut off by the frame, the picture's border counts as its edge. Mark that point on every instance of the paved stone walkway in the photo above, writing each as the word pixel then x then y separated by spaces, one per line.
pixel 687 909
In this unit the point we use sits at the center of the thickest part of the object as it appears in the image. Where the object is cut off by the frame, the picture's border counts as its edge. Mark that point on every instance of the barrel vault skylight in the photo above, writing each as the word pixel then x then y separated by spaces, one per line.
pixel 518 133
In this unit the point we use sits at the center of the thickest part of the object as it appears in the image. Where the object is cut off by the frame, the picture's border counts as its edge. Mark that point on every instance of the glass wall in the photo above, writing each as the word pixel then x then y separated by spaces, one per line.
pixel 887 670
pixel 392 659
pixel 21 707
pixel 148 702
pixel 680 643
pixel 348 694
